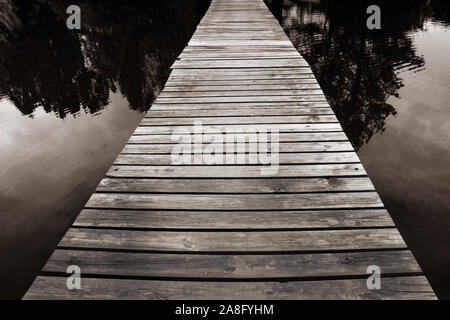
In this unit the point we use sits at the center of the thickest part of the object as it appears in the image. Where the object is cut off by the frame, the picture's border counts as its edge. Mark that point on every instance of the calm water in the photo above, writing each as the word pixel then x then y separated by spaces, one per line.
pixel 390 90
pixel 68 103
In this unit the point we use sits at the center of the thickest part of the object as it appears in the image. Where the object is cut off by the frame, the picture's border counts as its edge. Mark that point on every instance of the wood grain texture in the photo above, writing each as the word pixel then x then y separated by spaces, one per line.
pixel 283 137
pixel 266 112
pixel 245 128
pixel 283 158
pixel 198 266
pixel 236 202
pixel 298 147
pixel 238 171
pixel 244 220
pixel 218 107
pixel 400 288
pixel 229 241
pixel 235 186
pixel 239 120
pixel 248 98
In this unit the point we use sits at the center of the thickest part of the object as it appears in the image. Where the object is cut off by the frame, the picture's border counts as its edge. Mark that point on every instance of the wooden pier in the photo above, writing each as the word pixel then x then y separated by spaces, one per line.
pixel 154 230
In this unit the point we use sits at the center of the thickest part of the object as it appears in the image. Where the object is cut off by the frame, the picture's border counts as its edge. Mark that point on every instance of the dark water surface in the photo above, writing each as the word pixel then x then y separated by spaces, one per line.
pixel 390 90
pixel 68 103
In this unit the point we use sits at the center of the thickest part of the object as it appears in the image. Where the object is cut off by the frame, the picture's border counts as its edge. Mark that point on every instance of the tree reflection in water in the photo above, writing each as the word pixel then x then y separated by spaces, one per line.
pixel 122 45
pixel 358 69
pixel 51 167
pixel 360 72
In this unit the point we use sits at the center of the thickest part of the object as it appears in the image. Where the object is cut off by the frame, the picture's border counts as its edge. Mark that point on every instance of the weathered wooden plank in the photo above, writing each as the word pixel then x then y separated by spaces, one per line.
pixel 283 267
pixel 311 201
pixel 240 105
pixel 284 158
pixel 240 128
pixel 316 146
pixel 407 288
pixel 280 98
pixel 206 186
pixel 231 241
pixel 210 27
pixel 233 55
pixel 240 36
pixel 274 72
pixel 248 72
pixel 149 121
pixel 236 55
pixel 283 137
pixel 306 80
pixel 248 87
pixel 238 171
pixel 241 93
pixel 243 77
pixel 252 74
pixel 209 31
pixel 242 112
pixel 239 17
pixel 236 220
pixel 230 64
pixel 236 49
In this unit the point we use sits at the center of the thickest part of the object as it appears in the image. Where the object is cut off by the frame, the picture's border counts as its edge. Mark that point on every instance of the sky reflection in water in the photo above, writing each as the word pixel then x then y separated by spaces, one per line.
pixel 390 91
pixel 68 103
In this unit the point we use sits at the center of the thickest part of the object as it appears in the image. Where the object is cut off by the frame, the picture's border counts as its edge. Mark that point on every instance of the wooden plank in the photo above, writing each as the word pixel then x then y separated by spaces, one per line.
pixel 240 93
pixel 238 120
pixel 312 201
pixel 283 158
pixel 236 56
pixel 188 266
pixel 242 112
pixel 211 30
pixel 274 71
pixel 267 63
pixel 267 73
pixel 298 70
pixel 240 105
pixel 249 98
pixel 243 77
pixel 407 288
pixel 240 220
pixel 248 87
pixel 221 75
pixel 239 36
pixel 295 147
pixel 283 137
pixel 241 128
pixel 231 186
pixel 274 83
pixel 230 241
pixel 238 171
pixel 237 49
